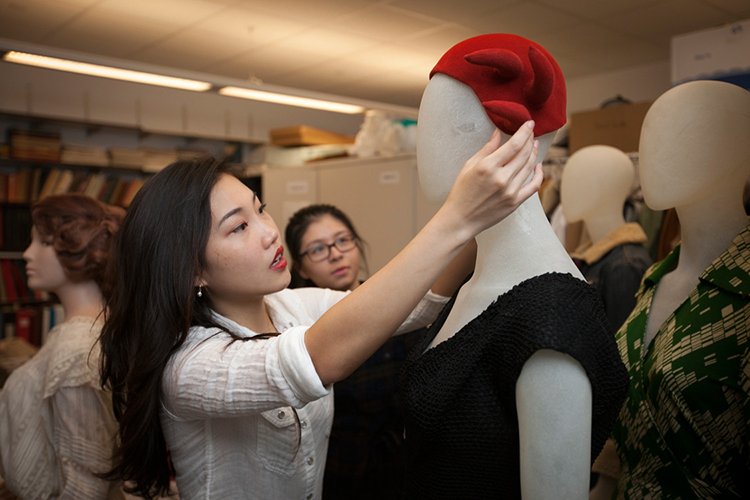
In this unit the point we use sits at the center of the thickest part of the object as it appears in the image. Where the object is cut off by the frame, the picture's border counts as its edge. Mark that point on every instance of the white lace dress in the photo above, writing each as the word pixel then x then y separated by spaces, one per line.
pixel 56 424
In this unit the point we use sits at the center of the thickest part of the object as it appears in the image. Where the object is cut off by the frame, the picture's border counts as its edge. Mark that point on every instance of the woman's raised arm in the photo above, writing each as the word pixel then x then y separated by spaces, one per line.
pixel 493 183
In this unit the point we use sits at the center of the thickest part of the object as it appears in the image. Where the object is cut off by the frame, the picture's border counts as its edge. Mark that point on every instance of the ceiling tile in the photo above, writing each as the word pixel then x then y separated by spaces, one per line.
pixel 737 7
pixel 175 12
pixel 527 19
pixel 437 41
pixel 597 9
pixel 194 49
pixel 33 20
pixel 316 11
pixel 659 22
pixel 257 28
pixel 385 23
pixel 450 10
pixel 110 34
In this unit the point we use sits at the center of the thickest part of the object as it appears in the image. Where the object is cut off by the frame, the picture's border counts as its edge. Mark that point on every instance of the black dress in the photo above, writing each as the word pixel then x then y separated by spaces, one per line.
pixel 459 396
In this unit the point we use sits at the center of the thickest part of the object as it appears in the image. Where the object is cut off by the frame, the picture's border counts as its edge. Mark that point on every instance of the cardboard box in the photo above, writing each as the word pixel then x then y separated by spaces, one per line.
pixel 713 53
pixel 303 135
pixel 618 126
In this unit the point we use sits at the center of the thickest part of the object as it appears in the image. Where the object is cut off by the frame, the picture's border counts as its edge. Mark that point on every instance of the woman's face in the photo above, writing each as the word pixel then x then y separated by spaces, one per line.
pixel 43 269
pixel 244 259
pixel 338 271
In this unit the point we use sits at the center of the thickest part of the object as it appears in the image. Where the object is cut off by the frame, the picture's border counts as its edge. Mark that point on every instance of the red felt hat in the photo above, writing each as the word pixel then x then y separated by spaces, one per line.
pixel 514 78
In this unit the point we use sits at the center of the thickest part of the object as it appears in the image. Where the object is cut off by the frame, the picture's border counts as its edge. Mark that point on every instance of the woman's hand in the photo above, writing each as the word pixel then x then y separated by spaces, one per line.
pixel 494 182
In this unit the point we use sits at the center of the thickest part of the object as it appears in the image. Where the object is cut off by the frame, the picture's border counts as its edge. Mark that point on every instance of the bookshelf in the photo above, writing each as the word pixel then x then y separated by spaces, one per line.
pixel 41 156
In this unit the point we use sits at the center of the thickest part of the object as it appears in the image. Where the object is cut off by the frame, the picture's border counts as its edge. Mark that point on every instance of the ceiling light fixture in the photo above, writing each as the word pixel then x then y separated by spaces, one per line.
pixel 290 100
pixel 104 71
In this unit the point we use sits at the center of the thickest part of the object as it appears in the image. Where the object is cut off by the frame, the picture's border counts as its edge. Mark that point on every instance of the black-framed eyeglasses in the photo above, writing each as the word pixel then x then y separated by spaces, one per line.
pixel 320 251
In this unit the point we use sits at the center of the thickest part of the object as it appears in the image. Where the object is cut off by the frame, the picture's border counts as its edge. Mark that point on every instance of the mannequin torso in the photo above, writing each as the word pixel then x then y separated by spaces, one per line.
pixel 554 453
pixel 703 184
pixel 686 344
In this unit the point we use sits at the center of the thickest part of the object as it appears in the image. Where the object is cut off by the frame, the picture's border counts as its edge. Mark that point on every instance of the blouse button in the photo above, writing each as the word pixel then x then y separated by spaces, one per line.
pixel 281 414
pixel 310 460
pixel 303 424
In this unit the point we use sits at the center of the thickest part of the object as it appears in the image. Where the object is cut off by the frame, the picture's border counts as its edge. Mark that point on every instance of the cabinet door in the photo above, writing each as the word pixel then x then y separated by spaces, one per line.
pixel 378 196
pixel 286 190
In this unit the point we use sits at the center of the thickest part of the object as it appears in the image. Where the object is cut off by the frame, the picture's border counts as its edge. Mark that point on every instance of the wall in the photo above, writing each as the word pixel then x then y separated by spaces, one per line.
pixel 640 83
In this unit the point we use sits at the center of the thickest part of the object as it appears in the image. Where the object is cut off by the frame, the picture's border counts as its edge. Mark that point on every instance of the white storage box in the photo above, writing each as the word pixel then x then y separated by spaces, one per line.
pixel 712 53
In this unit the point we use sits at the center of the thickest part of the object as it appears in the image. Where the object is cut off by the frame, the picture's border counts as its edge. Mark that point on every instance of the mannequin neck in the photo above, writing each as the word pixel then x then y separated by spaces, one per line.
pixel 520 247
pixel 601 224
pixel 707 229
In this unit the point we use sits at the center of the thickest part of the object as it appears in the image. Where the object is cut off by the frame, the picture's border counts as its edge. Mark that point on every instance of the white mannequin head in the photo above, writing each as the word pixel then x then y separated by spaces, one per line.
pixel 497 80
pixel 694 144
pixel 595 179
pixel 453 125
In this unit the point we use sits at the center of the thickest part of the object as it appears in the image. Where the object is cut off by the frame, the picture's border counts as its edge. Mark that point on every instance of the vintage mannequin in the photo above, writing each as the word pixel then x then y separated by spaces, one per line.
pixel 595 183
pixel 704 184
pixel 555 452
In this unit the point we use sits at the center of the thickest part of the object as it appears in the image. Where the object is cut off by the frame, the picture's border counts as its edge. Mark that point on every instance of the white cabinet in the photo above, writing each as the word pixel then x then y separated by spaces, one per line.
pixel 380 195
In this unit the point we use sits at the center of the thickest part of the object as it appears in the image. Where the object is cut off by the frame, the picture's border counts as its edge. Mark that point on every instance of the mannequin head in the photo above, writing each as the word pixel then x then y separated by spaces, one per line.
pixel 694 144
pixel 483 83
pixel 596 179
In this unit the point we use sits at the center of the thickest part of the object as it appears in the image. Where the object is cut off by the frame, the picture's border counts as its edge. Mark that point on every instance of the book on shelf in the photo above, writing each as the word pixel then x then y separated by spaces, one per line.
pixel 29 325
pixel 34 145
pixel 9 281
pixel 18 186
pixel 131 189
pixel 95 184
pixel 48 187
pixel 64 183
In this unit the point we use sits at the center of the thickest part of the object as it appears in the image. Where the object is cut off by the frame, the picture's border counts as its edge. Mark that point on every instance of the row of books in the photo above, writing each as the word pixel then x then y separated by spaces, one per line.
pixel 48 147
pixel 31 324
pixel 28 185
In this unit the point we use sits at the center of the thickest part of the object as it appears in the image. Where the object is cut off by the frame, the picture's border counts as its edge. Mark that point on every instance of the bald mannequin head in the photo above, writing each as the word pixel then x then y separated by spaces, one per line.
pixel 694 143
pixel 596 179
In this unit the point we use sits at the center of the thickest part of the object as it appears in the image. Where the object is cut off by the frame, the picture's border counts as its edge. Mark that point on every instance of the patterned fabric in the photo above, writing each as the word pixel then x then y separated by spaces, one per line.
pixel 462 432
pixel 684 431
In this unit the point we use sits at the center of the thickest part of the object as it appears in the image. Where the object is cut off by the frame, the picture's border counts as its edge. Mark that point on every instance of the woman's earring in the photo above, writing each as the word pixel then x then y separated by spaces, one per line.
pixel 200 291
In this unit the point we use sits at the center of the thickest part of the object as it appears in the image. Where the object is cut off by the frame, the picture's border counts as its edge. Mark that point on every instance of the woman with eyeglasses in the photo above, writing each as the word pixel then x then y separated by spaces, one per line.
pixel 366 449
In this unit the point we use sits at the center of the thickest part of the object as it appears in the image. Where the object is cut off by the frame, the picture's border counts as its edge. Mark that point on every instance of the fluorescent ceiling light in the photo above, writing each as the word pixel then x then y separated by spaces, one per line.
pixel 105 71
pixel 290 100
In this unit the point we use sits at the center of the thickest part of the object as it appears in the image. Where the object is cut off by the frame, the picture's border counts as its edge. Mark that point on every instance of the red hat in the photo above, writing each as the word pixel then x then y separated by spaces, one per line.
pixel 514 78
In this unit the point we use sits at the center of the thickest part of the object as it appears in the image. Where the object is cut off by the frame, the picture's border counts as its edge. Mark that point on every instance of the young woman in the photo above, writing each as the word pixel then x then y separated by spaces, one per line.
pixel 214 363
pixel 366 456
pixel 57 429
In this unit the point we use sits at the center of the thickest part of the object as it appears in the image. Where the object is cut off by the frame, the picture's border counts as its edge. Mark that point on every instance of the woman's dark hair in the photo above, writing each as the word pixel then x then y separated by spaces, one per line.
pixel 81 229
pixel 297 227
pixel 158 253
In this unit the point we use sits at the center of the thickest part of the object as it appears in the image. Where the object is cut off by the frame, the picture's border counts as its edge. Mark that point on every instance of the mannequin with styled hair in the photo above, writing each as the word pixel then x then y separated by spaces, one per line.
pixel 57 429
pixel 517 384
pixel 684 430
pixel 596 182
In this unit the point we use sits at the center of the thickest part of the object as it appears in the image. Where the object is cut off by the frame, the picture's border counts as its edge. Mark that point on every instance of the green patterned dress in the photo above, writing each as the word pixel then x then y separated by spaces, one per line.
pixel 684 430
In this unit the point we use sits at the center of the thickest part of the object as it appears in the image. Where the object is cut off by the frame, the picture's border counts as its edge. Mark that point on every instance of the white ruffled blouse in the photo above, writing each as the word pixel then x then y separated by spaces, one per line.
pixel 56 424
